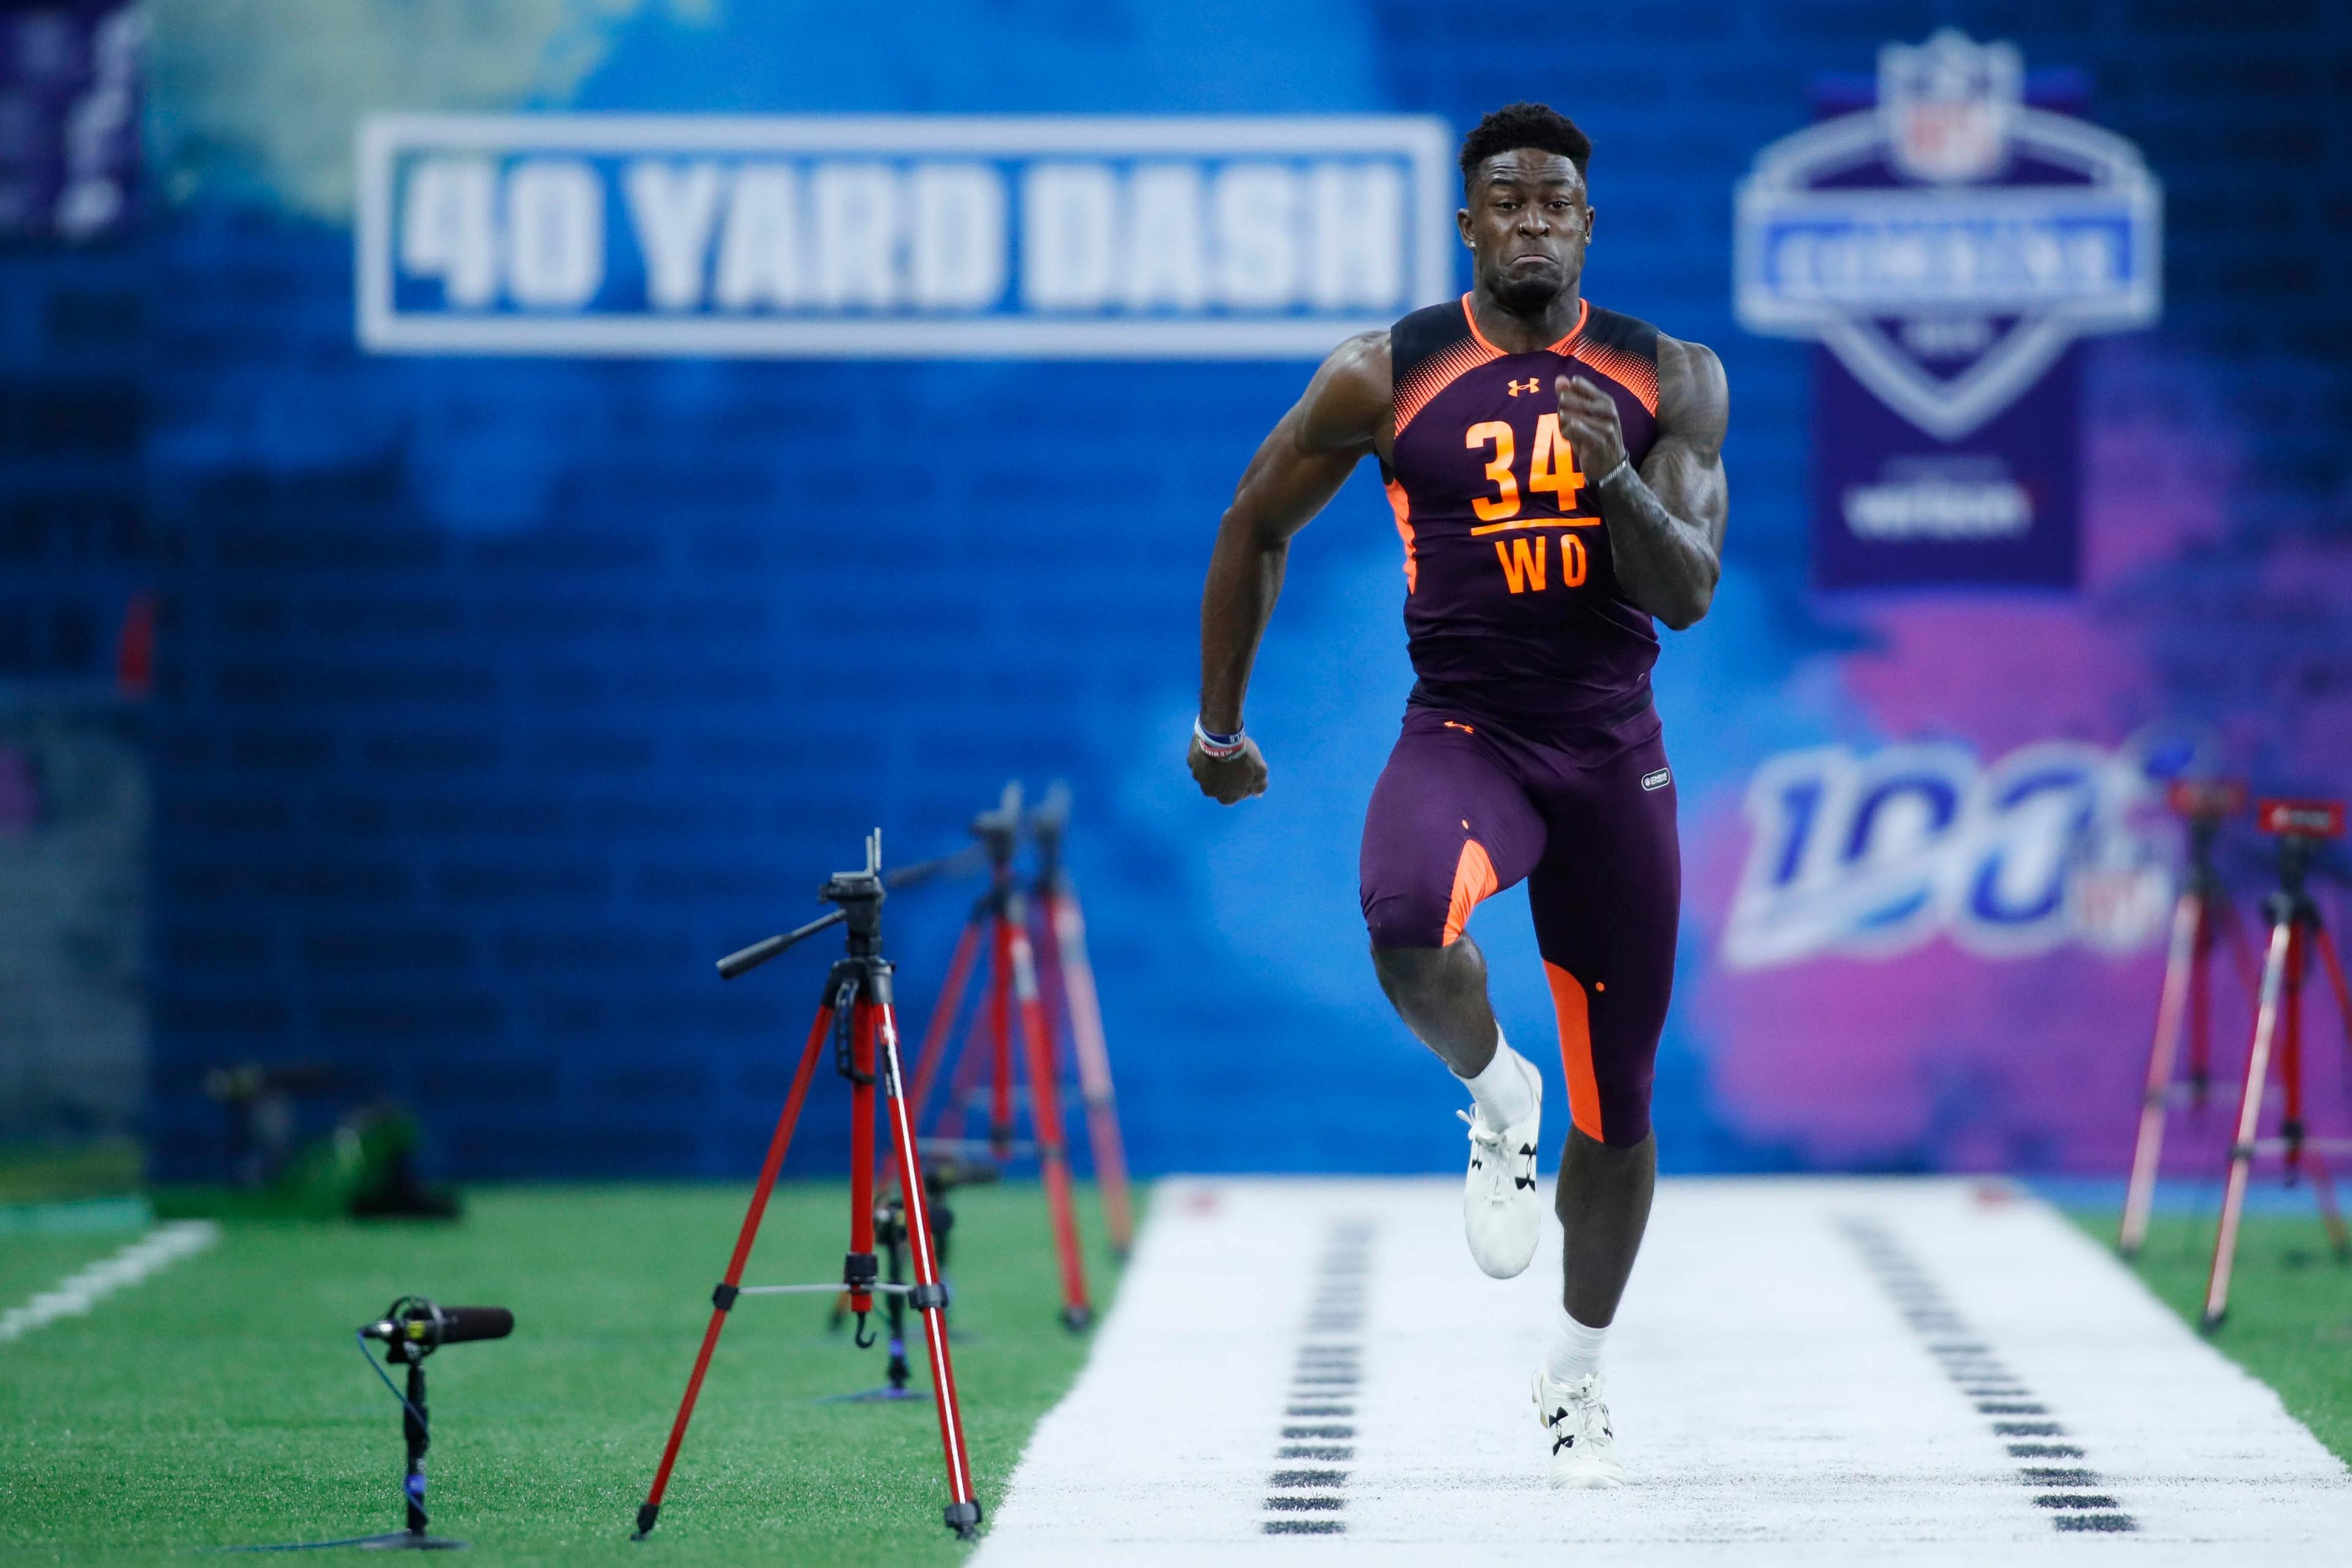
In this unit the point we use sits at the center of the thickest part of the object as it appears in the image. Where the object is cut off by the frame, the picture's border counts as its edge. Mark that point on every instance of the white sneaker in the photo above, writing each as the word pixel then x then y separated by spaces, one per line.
pixel 1584 1448
pixel 1500 1207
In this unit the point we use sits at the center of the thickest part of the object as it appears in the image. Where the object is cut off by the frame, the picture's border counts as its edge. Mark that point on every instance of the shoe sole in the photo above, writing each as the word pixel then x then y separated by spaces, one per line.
pixel 1587 1481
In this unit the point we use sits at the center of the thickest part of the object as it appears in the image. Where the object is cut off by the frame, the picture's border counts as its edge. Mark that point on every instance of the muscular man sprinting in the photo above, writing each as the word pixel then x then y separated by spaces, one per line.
pixel 1557 475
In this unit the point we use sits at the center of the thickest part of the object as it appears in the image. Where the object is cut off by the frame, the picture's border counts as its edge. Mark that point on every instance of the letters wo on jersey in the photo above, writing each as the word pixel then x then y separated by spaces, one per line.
pixel 920 236
pixel 1947 245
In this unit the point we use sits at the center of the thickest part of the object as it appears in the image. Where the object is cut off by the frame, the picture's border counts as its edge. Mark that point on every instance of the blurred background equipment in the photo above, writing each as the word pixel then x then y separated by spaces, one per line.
pixel 856 1013
pixel 2303 828
pixel 1061 930
pixel 362 1164
pixel 1011 995
pixel 2201 917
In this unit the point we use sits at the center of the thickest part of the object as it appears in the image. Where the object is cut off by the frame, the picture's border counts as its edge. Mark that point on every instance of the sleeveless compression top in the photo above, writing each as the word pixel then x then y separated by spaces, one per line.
pixel 1511 600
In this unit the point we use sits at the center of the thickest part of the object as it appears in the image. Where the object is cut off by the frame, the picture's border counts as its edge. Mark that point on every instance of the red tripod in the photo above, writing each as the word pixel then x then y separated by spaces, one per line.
pixel 855 1010
pixel 1062 943
pixel 2203 913
pixel 1001 919
pixel 2301 825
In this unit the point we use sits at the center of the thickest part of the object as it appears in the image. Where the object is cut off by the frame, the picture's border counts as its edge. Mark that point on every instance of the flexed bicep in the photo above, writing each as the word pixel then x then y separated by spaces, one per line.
pixel 1685 467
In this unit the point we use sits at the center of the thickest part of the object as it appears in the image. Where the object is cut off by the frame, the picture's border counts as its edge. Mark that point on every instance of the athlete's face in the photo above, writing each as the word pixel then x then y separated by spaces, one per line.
pixel 1526 225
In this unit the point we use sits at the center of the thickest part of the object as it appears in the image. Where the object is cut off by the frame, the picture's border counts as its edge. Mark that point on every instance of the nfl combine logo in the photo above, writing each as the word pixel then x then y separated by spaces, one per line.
pixel 1945 247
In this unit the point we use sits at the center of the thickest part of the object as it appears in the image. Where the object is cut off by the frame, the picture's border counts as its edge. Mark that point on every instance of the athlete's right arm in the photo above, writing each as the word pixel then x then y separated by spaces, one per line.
pixel 1298 467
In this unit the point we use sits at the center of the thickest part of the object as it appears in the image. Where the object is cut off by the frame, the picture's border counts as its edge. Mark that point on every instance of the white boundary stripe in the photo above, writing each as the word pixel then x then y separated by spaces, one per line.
pixel 76 1293
pixel 1770 1400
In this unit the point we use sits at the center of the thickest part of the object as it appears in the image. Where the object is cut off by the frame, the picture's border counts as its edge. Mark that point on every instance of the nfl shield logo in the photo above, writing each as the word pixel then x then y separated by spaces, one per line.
pixel 1948 246
pixel 1948 104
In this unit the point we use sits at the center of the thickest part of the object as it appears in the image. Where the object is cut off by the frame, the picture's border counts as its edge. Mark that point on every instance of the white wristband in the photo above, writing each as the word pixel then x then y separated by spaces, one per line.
pixel 1624 463
pixel 1217 748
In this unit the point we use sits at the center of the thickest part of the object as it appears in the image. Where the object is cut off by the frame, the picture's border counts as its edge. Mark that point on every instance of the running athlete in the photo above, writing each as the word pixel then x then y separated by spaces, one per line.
pixel 1557 475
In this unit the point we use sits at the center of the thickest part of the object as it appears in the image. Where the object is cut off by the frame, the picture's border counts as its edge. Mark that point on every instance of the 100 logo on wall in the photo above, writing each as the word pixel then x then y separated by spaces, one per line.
pixel 1873 854
pixel 904 237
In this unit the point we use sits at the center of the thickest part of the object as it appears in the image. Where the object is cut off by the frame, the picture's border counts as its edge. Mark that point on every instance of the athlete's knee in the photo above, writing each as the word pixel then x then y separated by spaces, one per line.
pixel 1429 973
pixel 1404 920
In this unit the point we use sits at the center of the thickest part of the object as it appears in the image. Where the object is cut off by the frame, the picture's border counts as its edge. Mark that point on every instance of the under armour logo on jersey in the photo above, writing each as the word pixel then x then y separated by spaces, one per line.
pixel 1529 385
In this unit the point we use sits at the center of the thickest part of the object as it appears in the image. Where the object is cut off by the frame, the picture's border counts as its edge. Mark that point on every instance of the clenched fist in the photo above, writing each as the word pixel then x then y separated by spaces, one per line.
pixel 1231 780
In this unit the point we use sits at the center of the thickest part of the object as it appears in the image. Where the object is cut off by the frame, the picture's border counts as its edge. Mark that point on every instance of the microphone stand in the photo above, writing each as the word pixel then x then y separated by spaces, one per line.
pixel 417 1435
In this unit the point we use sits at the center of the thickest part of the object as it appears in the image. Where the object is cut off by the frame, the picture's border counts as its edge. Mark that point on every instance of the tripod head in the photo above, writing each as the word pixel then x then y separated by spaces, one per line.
pixel 999 831
pixel 856 897
pixel 2302 828
pixel 2204 805
pixel 1047 823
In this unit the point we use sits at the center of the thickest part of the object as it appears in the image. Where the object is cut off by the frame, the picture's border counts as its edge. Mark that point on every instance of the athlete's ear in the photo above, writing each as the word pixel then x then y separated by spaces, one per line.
pixel 1462 222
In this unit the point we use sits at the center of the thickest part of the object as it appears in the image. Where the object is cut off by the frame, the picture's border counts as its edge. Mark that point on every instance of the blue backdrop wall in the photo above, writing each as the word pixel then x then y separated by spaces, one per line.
pixel 494 697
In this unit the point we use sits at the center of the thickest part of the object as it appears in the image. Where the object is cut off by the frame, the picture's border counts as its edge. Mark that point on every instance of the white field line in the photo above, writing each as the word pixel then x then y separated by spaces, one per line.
pixel 76 1293
pixel 1817 1372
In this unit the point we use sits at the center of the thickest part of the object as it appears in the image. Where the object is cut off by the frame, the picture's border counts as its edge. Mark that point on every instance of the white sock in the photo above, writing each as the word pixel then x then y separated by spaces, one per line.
pixel 1505 1087
pixel 1575 1350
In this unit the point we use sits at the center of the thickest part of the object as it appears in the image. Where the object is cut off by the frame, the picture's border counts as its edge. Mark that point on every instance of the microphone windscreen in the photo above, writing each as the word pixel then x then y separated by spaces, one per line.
pixel 459 1324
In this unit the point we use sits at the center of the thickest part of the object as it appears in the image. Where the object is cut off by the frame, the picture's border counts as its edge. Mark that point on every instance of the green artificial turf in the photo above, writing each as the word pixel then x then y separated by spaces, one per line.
pixel 224 1402
pixel 2290 1319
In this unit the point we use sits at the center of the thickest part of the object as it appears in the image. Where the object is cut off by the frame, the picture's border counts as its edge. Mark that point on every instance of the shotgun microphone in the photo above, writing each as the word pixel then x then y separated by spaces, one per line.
pixel 421 1326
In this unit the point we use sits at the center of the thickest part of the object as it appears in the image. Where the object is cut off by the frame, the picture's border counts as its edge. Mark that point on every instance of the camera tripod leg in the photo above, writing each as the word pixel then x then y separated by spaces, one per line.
pixel 1064 929
pixel 999 1034
pixel 859 1270
pixel 2240 958
pixel 2180 964
pixel 970 1065
pixel 941 1025
pixel 1045 1116
pixel 2332 962
pixel 929 1297
pixel 2201 1014
pixel 722 1300
pixel 2250 1116
pixel 2331 1215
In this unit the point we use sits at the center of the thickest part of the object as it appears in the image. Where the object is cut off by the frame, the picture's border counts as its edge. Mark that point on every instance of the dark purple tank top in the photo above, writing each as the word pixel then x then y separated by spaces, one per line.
pixel 1511 602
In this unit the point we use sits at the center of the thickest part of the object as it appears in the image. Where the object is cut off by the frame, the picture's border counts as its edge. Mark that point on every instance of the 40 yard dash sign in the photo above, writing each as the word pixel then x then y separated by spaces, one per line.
pixel 896 237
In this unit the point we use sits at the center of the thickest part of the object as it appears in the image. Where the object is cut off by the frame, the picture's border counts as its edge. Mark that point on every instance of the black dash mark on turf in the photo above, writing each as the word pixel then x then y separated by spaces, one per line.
pixel 1326 1371
pixel 1993 1388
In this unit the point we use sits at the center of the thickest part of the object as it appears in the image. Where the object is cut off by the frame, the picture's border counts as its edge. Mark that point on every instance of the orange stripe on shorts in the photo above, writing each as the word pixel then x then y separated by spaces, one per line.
pixel 1575 1048
pixel 1474 882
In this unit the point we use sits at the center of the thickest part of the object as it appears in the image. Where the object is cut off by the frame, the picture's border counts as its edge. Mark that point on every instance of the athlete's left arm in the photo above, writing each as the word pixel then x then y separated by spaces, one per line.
pixel 1665 521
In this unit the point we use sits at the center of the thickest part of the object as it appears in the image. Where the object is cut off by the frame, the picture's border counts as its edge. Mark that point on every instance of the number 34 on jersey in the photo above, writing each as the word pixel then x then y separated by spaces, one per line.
pixel 1524 553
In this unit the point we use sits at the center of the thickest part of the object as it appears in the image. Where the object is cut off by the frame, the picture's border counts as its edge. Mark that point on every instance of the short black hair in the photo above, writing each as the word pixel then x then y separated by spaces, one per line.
pixel 1516 125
